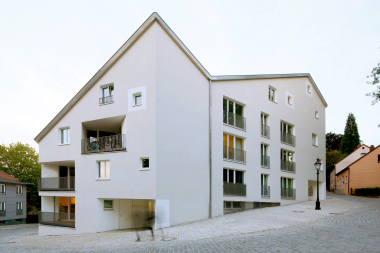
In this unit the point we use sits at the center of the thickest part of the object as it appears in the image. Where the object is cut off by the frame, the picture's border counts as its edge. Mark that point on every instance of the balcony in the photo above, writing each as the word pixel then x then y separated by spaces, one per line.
pixel 288 139
pixel 234 120
pixel 234 189
pixel 234 154
pixel 2 213
pixel 56 184
pixel 265 161
pixel 288 193
pixel 288 166
pixel 106 100
pixel 265 131
pixel 265 191
pixel 57 219
pixel 103 144
pixel 18 211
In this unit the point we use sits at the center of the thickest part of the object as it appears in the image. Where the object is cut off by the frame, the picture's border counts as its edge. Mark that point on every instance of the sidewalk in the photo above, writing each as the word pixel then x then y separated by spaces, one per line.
pixel 250 221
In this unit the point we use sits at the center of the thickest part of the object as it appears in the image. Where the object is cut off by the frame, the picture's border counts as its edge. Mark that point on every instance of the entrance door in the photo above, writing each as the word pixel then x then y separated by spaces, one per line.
pixel 125 214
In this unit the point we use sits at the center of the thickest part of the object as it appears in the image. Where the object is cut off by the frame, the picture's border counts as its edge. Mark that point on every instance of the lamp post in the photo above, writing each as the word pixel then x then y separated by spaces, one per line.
pixel 317 165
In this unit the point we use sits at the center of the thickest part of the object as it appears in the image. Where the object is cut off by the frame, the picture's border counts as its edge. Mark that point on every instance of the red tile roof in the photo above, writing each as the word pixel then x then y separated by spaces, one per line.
pixel 5 176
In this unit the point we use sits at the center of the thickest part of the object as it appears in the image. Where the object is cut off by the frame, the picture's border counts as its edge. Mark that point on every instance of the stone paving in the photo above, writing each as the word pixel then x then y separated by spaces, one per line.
pixel 345 224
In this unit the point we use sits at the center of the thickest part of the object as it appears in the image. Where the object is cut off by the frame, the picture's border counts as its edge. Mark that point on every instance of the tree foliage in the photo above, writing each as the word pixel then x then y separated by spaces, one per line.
pixel 375 74
pixel 351 138
pixel 333 141
pixel 21 161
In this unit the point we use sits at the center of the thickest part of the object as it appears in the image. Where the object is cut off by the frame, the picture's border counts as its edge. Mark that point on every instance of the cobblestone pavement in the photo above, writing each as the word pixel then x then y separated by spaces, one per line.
pixel 345 224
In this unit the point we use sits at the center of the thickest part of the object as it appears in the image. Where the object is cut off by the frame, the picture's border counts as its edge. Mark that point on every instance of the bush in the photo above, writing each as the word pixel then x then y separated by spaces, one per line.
pixel 368 191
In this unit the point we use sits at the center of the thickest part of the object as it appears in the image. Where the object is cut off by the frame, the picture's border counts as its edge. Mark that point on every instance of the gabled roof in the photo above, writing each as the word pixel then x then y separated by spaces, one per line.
pixel 351 154
pixel 156 18
pixel 5 176
pixel 356 160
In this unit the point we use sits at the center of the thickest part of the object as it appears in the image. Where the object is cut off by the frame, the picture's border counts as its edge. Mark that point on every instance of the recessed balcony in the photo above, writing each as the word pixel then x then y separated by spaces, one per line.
pixel 234 120
pixel 56 184
pixel 288 166
pixel 288 139
pixel 265 161
pixel 265 131
pixel 103 144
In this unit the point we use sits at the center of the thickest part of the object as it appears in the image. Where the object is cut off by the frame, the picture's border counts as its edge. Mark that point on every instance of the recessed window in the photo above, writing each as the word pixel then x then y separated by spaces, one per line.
pixel 104 169
pixel 18 208
pixel 265 192
pixel 264 155
pixel 108 204
pixel 316 115
pixel 233 176
pixel 2 188
pixel 362 154
pixel 378 158
pixel 64 135
pixel 2 208
pixel 144 163
pixel 265 125
pixel 233 113
pixel 272 94
pixel 290 100
pixel 233 148
pixel 107 94
pixel 309 89
pixel 18 189
pixel 137 99
pixel 314 138
pixel 287 134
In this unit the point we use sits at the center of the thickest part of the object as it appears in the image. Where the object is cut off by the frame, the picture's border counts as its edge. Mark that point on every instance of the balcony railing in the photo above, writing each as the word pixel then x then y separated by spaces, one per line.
pixel 56 184
pixel 234 154
pixel 234 189
pixel 265 191
pixel 103 144
pixel 233 119
pixel 18 211
pixel 288 166
pixel 265 131
pixel 288 193
pixel 2 213
pixel 265 161
pixel 106 100
pixel 57 219
pixel 288 139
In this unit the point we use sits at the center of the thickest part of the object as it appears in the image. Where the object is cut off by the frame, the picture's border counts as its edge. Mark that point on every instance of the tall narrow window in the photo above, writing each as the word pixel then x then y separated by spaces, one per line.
pixel 287 134
pixel 287 188
pixel 104 169
pixel 2 208
pixel 137 98
pixel 2 188
pixel 272 94
pixel 314 138
pixel 18 208
pixel 287 161
pixel 378 158
pixel 265 192
pixel 18 189
pixel 264 155
pixel 264 125
pixel 233 148
pixel 64 135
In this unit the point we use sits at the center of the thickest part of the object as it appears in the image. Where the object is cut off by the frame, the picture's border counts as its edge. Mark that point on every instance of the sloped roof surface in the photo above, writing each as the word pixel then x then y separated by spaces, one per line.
pixel 156 18
pixel 5 176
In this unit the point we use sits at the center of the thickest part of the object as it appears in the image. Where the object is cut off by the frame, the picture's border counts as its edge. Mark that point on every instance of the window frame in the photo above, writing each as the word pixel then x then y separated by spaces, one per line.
pixel 3 206
pixel 234 175
pixel 135 96
pixel 274 97
pixel 19 204
pixel 289 99
pixel 316 114
pixel 99 176
pixel 104 204
pixel 61 140
pixel 2 186
pixel 314 139
pixel 19 193
pixel 142 163
pixel 309 90
pixel 228 135
pixel 111 91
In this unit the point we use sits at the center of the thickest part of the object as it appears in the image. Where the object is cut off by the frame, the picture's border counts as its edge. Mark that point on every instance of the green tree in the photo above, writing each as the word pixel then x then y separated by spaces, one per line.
pixel 351 138
pixel 21 161
pixel 333 141
pixel 375 74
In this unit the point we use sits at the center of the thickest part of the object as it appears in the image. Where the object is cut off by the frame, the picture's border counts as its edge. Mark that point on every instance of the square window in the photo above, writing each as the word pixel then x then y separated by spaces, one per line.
pixel 104 169
pixel 2 188
pixel 18 190
pixel 64 137
pixel 145 163
pixel 108 204
pixel 106 94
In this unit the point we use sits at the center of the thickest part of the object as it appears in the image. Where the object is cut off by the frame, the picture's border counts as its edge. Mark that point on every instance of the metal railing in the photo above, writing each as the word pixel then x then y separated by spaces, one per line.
pixel 103 144
pixel 234 189
pixel 288 166
pixel 265 191
pixel 56 184
pixel 265 131
pixel 18 211
pixel 265 161
pixel 2 213
pixel 288 139
pixel 234 154
pixel 57 219
pixel 106 100
pixel 287 193
pixel 233 119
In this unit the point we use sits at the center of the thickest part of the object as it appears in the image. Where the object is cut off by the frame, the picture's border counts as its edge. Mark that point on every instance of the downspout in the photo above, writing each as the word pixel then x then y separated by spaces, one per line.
pixel 210 150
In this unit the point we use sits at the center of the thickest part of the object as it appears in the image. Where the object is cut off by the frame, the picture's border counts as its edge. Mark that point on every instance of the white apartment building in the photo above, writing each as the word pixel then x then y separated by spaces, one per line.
pixel 154 132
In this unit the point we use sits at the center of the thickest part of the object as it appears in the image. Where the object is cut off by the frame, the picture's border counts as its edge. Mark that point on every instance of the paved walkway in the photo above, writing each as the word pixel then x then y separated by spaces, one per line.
pixel 345 224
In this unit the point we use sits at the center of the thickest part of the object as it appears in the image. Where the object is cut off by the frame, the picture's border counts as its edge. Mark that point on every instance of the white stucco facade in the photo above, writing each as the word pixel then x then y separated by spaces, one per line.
pixel 166 108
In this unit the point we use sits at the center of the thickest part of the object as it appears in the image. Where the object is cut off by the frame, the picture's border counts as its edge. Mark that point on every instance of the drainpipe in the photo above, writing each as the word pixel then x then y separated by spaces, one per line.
pixel 210 149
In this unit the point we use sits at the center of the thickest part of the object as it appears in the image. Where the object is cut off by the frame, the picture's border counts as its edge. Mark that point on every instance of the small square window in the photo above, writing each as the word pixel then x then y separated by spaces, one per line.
pixel 137 99
pixel 64 137
pixel 108 204
pixel 18 190
pixel 145 163
pixel 2 188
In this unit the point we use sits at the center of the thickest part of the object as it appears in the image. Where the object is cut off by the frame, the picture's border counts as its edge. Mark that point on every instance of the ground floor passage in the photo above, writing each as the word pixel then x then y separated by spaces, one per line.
pixel 345 224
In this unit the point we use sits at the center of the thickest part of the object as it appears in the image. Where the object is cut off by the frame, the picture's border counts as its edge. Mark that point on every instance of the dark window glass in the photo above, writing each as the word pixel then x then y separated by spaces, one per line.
pixel 62 171
pixel 236 204
pixel 224 104
pixel 225 175
pixel 231 176
pixel 239 177
pixel 145 163
pixel 108 204
pixel 91 133
pixel 228 204
pixel 239 109
pixel 231 106
pixel 378 158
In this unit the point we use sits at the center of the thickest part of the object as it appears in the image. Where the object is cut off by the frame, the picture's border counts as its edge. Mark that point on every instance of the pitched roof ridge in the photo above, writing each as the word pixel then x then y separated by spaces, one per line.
pixel 6 176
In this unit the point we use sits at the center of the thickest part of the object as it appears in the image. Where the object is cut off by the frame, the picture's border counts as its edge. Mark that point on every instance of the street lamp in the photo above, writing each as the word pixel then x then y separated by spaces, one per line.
pixel 317 165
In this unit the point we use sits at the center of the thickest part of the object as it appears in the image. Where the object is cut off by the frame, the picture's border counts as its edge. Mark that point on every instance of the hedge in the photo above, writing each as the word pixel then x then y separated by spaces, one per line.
pixel 368 191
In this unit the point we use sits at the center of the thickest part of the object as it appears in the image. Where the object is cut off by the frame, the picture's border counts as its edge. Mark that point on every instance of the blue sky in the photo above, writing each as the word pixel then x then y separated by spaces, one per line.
pixel 50 49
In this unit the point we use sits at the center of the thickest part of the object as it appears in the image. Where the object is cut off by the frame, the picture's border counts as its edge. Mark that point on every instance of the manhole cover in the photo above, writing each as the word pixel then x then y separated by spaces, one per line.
pixel 169 239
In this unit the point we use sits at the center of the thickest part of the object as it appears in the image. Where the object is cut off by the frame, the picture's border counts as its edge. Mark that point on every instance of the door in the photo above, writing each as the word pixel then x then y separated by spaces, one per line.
pixel 125 214
pixel 140 212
